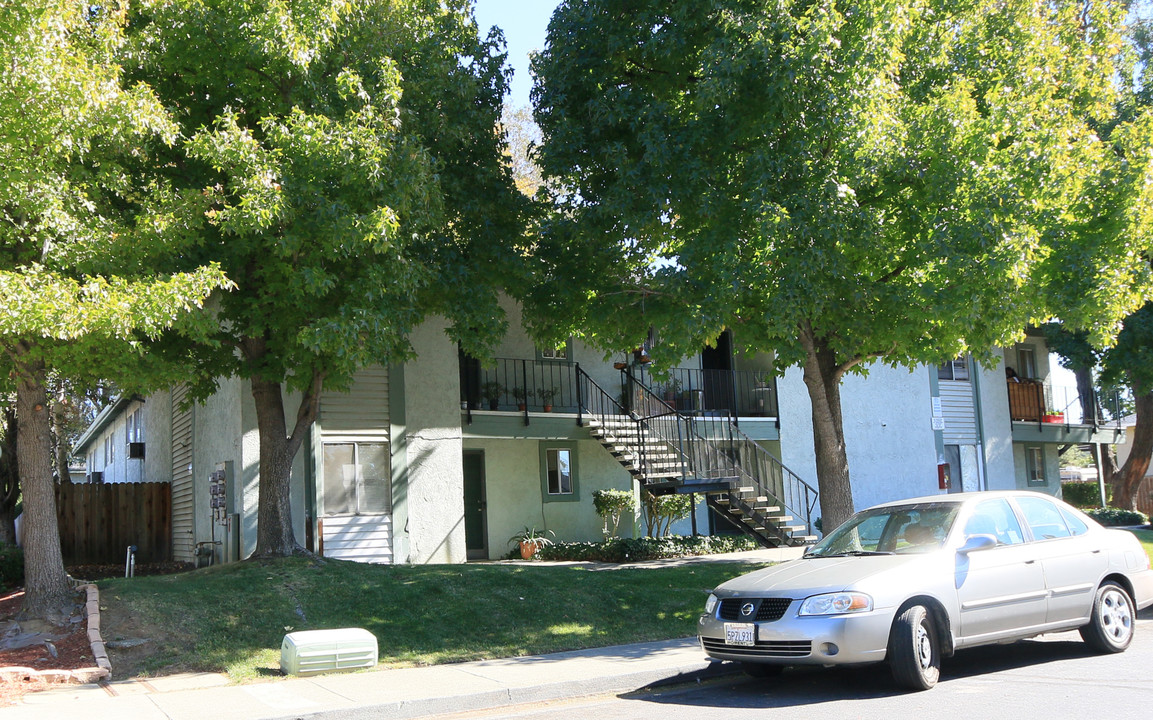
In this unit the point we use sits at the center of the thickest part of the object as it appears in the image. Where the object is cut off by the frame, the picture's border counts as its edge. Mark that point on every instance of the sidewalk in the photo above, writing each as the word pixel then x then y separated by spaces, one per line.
pixel 404 693
pixel 400 693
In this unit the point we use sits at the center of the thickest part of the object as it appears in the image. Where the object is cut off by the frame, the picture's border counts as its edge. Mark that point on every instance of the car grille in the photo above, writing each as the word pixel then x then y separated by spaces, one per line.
pixel 767 610
pixel 763 648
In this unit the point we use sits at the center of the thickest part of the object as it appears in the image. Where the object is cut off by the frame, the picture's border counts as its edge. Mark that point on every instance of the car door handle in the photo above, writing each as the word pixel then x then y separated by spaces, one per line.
pixel 1097 551
pixel 1030 562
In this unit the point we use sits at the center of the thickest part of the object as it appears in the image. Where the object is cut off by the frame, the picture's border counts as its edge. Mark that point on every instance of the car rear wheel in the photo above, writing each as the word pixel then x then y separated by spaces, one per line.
pixel 761 670
pixel 914 652
pixel 1110 629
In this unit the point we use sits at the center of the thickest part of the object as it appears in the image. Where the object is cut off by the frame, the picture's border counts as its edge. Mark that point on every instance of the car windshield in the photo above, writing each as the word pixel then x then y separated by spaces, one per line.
pixel 893 530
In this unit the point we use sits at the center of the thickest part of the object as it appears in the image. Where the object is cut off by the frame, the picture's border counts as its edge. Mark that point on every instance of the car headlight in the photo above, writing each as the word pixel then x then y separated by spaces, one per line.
pixel 839 603
pixel 710 604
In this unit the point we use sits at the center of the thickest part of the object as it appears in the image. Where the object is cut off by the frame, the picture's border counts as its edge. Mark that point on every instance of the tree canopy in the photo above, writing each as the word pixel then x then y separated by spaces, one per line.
pixel 839 182
pixel 353 165
pixel 76 216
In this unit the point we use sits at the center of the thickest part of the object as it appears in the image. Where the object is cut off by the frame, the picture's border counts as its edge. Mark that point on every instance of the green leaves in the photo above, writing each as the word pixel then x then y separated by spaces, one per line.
pixel 912 179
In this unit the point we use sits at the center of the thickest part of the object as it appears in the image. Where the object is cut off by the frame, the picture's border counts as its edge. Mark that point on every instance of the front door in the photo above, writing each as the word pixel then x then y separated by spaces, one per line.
pixel 717 376
pixel 475 519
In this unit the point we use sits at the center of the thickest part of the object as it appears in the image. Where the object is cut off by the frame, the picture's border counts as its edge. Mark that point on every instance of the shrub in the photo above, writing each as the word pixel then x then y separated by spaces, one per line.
pixel 1117 516
pixel 11 566
pixel 661 511
pixel 1081 494
pixel 610 505
pixel 618 550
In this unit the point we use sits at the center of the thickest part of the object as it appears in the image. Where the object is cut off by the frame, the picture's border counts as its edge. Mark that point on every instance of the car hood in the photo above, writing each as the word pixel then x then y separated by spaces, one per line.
pixel 809 576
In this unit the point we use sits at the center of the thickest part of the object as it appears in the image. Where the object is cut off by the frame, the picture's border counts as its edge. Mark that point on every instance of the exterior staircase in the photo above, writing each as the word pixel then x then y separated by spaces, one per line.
pixel 670 452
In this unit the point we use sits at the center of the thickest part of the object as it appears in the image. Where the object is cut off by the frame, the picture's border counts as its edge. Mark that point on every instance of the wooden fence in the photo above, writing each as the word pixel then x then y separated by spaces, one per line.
pixel 99 521
pixel 1145 496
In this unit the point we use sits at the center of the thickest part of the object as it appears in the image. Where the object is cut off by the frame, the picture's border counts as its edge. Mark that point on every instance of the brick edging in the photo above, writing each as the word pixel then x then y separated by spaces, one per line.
pixel 103 669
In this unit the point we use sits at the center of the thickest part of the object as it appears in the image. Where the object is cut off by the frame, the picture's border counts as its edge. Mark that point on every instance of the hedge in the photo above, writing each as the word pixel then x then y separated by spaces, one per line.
pixel 1117 516
pixel 1081 494
pixel 617 550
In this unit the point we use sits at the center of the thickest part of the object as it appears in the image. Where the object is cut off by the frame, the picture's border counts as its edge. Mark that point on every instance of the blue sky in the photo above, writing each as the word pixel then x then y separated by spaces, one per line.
pixel 525 23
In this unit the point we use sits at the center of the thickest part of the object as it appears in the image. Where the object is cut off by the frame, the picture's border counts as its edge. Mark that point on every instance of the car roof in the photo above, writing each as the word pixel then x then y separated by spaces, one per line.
pixel 962 497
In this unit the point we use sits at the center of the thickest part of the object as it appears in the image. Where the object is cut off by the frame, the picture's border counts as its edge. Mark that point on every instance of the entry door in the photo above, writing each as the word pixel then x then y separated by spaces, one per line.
pixel 475 516
pixel 717 375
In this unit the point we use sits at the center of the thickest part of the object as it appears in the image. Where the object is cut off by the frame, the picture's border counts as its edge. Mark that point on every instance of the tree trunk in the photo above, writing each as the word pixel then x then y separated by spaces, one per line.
pixel 278 447
pixel 1090 413
pixel 274 534
pixel 1129 477
pixel 822 377
pixel 46 583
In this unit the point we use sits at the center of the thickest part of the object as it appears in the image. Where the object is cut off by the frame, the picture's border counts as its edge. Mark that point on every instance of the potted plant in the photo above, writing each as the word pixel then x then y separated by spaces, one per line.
pixel 1054 417
pixel 521 397
pixel 529 540
pixel 491 391
pixel 546 395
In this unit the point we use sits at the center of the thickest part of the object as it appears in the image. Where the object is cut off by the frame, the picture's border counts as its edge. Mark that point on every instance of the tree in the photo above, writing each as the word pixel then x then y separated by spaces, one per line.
pixel 839 183
pixel 353 164
pixel 72 208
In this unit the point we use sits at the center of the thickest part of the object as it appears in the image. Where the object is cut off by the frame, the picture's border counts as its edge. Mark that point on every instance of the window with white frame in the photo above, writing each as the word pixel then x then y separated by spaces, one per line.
pixel 1035 465
pixel 109 450
pixel 560 354
pixel 558 471
pixel 135 425
pixel 957 369
pixel 1026 361
pixel 357 479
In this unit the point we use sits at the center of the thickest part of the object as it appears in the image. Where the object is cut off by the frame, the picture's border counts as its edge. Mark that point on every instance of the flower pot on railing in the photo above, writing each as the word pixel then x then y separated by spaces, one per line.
pixel 1053 417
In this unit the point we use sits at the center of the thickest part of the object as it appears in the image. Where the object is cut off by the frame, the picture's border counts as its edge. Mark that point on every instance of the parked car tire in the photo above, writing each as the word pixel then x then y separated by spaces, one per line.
pixel 1110 630
pixel 761 670
pixel 914 651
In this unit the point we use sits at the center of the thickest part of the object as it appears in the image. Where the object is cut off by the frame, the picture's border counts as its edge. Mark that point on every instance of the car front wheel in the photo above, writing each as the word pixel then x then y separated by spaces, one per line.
pixel 1110 630
pixel 914 652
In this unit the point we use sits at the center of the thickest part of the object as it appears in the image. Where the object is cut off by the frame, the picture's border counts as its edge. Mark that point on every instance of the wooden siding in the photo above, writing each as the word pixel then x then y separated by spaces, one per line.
pixel 363 410
pixel 362 538
pixel 959 412
pixel 183 535
pixel 98 522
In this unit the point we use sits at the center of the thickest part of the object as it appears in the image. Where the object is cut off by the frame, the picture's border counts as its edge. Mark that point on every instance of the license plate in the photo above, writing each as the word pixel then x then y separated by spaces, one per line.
pixel 740 634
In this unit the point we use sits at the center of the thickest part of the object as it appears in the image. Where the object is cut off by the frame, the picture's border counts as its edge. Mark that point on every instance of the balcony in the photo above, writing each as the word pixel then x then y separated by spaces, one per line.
pixel 511 385
pixel 1054 413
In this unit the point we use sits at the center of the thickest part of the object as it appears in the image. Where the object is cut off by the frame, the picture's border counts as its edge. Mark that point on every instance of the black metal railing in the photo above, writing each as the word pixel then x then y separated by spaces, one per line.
pixel 738 393
pixel 713 447
pixel 511 384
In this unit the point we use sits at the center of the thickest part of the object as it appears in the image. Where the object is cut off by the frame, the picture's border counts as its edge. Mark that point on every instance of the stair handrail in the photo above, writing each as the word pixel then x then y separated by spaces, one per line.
pixel 808 494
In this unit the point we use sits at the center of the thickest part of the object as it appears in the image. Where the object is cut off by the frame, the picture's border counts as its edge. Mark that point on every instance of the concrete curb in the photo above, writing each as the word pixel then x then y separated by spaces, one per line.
pixel 548 690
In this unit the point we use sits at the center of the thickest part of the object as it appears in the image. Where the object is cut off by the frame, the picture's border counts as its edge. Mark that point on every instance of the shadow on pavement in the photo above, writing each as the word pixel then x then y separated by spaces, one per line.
pixel 807 686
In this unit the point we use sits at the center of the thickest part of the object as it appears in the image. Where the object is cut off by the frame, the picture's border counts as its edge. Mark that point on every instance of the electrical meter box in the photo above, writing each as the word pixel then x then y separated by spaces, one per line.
pixel 316 651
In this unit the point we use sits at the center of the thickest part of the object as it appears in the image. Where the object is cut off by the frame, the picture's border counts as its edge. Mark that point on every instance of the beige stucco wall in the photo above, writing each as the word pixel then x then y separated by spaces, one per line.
pixel 516 499
pixel 434 477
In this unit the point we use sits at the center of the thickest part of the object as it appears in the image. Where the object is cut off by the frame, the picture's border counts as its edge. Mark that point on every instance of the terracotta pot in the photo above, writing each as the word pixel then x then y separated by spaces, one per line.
pixel 548 408
pixel 527 549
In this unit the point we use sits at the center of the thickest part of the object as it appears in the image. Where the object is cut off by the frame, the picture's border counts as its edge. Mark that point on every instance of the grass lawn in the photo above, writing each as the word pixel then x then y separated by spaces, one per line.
pixel 232 618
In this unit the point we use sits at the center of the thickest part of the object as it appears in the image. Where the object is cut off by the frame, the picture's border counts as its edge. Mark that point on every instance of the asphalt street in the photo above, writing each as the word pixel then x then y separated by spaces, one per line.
pixel 1049 677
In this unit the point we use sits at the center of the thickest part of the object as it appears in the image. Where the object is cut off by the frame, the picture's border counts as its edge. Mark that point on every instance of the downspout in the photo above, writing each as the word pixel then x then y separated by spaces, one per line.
pixel 980 418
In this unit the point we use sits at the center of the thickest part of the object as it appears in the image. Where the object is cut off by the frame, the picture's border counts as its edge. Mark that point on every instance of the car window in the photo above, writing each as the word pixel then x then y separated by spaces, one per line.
pixel 1043 518
pixel 996 518
pixel 901 529
pixel 1076 525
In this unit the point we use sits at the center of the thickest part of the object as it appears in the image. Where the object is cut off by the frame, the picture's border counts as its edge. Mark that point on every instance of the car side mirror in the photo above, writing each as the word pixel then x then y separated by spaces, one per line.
pixel 974 543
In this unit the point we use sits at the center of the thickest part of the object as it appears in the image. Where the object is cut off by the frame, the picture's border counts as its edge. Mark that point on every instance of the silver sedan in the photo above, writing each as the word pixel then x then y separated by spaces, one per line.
pixel 912 582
